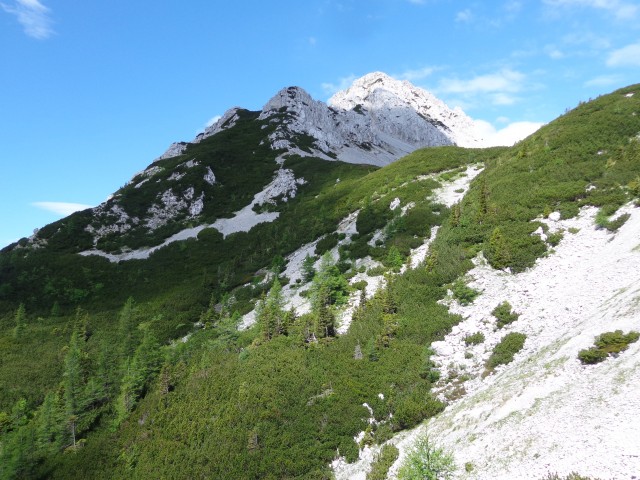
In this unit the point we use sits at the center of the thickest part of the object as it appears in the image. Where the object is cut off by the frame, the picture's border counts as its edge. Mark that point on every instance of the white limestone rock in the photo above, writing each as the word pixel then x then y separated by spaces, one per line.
pixel 381 93
pixel 227 120
pixel 175 149
pixel 209 177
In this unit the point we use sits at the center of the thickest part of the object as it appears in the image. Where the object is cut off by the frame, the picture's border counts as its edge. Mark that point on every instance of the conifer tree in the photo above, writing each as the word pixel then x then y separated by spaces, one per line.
pixel 73 383
pixel 20 321
pixel 498 252
pixel 127 330
pixel 271 314
pixel 308 269
pixel 210 316
pixel 394 258
pixel 49 424
pixel 145 363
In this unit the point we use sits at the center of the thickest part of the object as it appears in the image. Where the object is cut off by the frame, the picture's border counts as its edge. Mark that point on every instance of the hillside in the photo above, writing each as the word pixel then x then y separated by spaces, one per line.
pixel 94 361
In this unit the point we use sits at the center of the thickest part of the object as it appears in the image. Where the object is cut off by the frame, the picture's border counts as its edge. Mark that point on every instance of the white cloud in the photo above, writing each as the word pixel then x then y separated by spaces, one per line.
pixel 213 120
pixel 33 16
pixel 342 84
pixel 313 41
pixel 210 122
pixel 464 16
pixel 61 208
pixel 507 136
pixel 628 56
pixel 620 9
pixel 603 81
pixel 513 6
pixel 554 52
pixel 417 2
pixel 503 99
pixel 415 75
pixel 506 80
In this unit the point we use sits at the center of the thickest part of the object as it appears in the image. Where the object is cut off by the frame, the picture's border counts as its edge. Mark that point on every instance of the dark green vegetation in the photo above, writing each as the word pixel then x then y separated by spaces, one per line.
pixel 427 461
pixel 571 476
pixel 505 350
pixel 474 339
pixel 607 344
pixel 382 463
pixel 88 371
pixel 504 314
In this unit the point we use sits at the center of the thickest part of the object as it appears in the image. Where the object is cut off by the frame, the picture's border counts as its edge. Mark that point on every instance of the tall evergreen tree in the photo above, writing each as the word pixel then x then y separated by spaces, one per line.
pixel 127 329
pixel 138 371
pixel 73 383
pixel 308 269
pixel 20 321
pixel 271 315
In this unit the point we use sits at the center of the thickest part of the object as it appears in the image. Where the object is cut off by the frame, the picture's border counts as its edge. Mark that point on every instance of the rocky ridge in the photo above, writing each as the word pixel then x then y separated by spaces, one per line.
pixel 376 121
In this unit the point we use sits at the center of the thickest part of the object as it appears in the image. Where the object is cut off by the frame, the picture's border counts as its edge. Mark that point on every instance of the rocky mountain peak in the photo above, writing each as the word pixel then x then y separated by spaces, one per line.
pixel 378 91
pixel 377 120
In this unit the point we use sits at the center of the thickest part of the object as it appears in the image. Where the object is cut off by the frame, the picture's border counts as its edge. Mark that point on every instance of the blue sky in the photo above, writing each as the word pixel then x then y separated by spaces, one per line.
pixel 92 91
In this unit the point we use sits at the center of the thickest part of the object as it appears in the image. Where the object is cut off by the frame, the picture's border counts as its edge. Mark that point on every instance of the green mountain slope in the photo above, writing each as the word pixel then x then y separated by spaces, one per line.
pixel 255 404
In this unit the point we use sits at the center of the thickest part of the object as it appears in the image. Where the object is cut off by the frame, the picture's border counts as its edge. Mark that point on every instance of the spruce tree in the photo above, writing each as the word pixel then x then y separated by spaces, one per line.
pixel 127 329
pixel 20 321
pixel 308 269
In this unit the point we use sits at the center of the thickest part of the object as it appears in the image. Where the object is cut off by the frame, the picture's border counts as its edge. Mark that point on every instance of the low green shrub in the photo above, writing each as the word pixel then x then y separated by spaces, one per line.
pixel 326 243
pixel 382 462
pixel 505 350
pixel 608 343
pixel 571 476
pixel 474 339
pixel 555 238
pixel 427 461
pixel 602 220
pixel 375 271
pixel 463 293
pixel 504 314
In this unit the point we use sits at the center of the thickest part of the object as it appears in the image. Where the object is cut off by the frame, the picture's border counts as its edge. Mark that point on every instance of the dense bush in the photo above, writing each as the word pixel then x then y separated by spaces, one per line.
pixel 426 461
pixel 382 462
pixel 463 293
pixel 505 350
pixel 504 314
pixel 608 343
pixel 474 339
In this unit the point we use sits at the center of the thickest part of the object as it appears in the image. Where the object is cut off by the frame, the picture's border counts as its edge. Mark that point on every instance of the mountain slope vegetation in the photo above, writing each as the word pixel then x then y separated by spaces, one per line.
pixel 88 370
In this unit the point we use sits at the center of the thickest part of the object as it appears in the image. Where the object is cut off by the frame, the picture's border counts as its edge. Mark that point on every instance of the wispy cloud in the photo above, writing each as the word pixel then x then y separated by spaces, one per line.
pixel 61 208
pixel 499 87
pixel 416 75
pixel 210 122
pixel 620 9
pixel 464 16
pixel 507 136
pixel 33 16
pixel 604 81
pixel 628 56
pixel 342 84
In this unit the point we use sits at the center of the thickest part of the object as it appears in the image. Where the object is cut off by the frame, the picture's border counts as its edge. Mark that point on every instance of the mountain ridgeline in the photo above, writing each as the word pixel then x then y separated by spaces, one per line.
pixel 301 223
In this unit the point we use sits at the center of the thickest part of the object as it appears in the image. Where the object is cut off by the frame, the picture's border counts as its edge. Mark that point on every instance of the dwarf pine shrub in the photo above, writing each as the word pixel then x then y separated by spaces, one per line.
pixel 505 350
pixel 608 343
pixel 504 314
